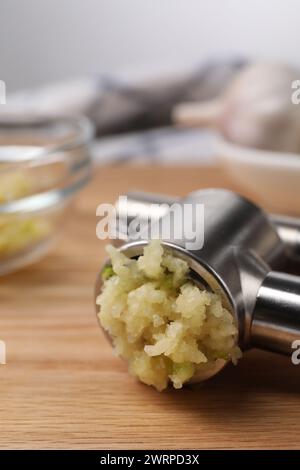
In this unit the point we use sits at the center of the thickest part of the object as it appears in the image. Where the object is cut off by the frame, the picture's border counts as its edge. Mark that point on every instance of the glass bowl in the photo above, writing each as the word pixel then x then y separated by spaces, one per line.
pixel 43 165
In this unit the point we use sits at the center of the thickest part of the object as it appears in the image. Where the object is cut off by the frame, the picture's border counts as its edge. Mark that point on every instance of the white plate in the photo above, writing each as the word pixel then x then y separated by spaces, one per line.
pixel 274 177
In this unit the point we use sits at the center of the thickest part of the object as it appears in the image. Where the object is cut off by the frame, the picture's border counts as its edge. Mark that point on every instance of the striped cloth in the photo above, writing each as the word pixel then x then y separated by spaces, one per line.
pixel 132 111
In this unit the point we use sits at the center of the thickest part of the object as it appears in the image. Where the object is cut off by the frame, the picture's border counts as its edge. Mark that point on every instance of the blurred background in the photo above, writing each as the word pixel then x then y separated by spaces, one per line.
pixel 43 41
pixel 162 82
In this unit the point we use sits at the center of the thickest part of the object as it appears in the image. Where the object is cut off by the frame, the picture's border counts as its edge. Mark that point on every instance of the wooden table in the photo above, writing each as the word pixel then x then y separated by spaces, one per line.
pixel 63 388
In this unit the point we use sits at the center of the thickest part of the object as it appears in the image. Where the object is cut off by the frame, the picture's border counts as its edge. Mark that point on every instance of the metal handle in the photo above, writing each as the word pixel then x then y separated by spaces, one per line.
pixel 139 204
pixel 276 316
pixel 289 231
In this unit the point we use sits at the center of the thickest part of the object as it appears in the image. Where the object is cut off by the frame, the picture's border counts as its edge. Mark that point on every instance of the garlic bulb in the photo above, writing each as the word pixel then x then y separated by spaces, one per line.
pixel 255 110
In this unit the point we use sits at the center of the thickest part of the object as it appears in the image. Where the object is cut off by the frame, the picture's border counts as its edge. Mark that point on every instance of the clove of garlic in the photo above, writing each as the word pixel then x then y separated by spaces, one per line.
pixel 255 110
pixel 258 110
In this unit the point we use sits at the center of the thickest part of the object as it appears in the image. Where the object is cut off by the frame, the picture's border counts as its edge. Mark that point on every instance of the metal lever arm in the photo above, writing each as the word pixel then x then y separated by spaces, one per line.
pixel 139 204
pixel 276 316
pixel 288 229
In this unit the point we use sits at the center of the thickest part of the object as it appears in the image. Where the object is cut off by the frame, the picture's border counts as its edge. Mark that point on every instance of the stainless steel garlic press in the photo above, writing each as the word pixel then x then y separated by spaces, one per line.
pixel 244 259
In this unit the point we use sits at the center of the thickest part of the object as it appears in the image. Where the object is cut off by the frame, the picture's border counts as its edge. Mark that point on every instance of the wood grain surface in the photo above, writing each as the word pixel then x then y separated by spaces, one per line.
pixel 63 388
